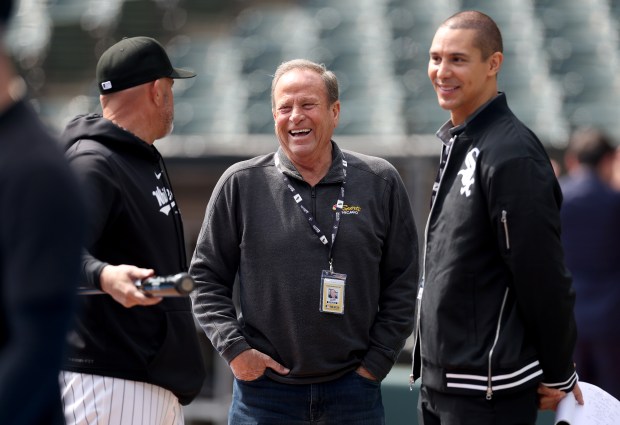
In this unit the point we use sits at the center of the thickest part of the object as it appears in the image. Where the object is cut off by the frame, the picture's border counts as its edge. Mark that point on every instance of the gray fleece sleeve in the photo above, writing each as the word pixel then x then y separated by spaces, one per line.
pixel 214 267
pixel 399 277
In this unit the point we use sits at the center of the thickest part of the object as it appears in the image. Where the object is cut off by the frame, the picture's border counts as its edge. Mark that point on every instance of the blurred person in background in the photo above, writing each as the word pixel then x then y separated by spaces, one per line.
pixel 590 235
pixel 133 358
pixel 293 225
pixel 41 234
pixel 495 329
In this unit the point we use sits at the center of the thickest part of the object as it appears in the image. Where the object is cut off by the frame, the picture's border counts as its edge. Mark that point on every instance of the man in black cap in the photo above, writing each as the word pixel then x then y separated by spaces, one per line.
pixel 41 229
pixel 133 358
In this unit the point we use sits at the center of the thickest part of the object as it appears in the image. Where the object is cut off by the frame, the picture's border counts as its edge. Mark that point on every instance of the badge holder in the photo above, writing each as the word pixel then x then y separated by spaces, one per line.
pixel 332 292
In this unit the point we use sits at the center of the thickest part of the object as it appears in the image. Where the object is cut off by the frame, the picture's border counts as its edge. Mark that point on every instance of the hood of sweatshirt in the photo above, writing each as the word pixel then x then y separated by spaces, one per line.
pixel 96 127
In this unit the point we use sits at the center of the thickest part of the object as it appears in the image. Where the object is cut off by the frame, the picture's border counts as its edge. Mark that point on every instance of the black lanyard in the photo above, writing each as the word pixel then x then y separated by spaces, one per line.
pixel 311 220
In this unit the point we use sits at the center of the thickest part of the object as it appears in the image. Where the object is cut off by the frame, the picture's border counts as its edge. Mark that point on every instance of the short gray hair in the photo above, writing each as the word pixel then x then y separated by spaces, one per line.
pixel 329 78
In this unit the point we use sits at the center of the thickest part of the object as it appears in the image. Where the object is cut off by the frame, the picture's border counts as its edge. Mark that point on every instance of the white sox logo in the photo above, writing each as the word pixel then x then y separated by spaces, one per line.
pixel 164 198
pixel 467 175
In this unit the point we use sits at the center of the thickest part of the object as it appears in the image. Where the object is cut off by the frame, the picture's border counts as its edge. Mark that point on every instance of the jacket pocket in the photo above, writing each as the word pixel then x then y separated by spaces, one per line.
pixel 178 365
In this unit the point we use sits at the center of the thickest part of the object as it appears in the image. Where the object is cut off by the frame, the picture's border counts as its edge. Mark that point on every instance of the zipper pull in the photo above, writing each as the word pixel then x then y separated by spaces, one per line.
pixel 504 220
pixel 489 395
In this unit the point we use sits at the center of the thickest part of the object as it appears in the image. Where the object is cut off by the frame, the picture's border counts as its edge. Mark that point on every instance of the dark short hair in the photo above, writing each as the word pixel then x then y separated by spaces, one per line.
pixel 329 78
pixel 589 145
pixel 488 36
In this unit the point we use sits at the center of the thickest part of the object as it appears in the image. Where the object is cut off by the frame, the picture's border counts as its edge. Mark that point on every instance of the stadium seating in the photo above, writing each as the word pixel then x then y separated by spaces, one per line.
pixel 560 69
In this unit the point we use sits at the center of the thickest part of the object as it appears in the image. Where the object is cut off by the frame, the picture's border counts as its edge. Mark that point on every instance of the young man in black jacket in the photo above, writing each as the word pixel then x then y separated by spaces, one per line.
pixel 495 318
pixel 132 356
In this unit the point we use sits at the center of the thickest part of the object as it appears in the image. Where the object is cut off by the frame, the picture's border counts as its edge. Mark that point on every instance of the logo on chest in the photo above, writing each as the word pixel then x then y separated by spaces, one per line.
pixel 467 175
pixel 164 199
pixel 348 209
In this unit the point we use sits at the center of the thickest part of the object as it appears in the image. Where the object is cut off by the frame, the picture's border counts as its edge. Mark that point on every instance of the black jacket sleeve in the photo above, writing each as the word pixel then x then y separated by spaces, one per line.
pixel 41 233
pixel 101 194
pixel 525 199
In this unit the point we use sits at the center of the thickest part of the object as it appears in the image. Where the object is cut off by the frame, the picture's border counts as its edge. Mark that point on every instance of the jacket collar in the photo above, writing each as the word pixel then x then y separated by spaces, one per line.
pixel 494 108
pixel 481 117
pixel 104 131
pixel 334 174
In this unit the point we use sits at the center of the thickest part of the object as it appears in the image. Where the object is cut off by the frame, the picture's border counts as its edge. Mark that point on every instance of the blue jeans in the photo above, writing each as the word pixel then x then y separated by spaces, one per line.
pixel 351 399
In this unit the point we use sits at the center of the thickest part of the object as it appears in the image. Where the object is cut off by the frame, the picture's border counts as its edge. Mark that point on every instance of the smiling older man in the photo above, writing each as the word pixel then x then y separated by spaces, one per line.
pixel 278 222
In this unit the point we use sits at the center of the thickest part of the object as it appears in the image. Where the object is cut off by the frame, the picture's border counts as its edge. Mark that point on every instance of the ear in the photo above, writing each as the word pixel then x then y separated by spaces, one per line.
pixel 156 92
pixel 495 63
pixel 335 109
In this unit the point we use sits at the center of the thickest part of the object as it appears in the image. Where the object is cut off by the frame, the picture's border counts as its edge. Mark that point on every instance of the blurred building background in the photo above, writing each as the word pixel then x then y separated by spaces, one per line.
pixel 560 71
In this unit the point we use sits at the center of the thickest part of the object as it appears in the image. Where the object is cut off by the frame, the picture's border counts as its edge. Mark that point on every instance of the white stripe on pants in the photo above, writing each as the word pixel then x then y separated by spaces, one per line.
pixel 102 400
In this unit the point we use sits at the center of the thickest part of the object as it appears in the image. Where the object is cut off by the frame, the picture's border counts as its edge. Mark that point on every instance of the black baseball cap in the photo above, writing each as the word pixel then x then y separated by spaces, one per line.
pixel 134 61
